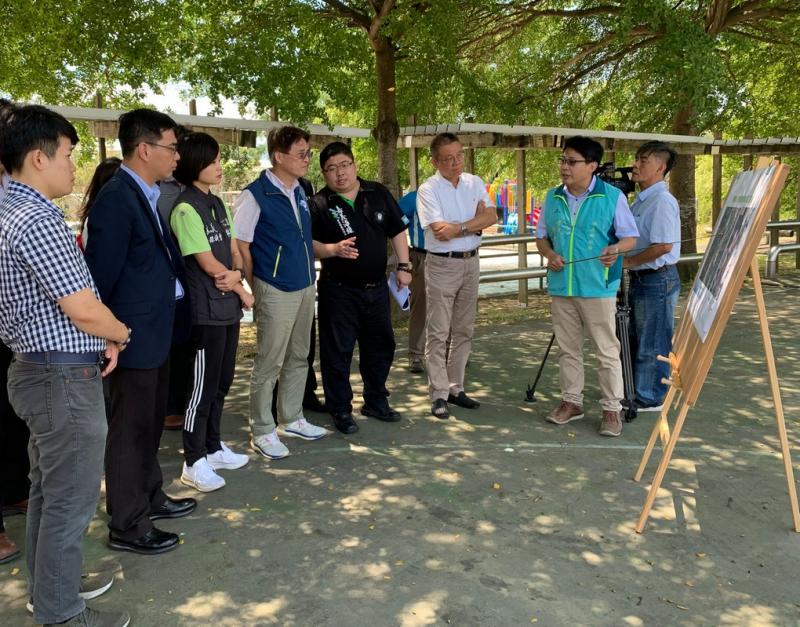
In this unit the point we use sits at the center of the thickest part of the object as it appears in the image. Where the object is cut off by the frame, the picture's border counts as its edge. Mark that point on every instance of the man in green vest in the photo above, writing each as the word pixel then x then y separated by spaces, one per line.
pixel 585 226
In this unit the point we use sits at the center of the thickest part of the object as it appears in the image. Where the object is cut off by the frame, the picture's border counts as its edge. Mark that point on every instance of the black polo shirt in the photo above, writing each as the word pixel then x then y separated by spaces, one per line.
pixel 373 218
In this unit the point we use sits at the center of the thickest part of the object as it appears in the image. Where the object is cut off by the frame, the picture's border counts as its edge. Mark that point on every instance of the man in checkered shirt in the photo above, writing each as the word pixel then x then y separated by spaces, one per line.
pixel 52 319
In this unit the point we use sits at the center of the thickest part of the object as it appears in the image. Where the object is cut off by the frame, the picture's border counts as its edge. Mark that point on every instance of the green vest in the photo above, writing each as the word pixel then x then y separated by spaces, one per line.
pixel 584 238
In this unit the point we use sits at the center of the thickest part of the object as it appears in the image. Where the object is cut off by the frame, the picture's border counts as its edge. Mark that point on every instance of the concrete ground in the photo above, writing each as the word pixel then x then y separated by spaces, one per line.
pixel 491 518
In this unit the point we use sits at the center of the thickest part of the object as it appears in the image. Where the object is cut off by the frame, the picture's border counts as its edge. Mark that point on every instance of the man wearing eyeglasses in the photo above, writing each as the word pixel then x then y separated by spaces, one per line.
pixel 273 232
pixel 453 209
pixel 136 265
pixel 352 221
pixel 583 229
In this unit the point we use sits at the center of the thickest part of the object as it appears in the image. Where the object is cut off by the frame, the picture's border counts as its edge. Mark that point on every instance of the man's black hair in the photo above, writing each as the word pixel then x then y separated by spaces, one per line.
pixel 142 125
pixel 586 147
pixel 197 152
pixel 442 139
pixel 333 149
pixel 282 139
pixel 28 128
pixel 662 150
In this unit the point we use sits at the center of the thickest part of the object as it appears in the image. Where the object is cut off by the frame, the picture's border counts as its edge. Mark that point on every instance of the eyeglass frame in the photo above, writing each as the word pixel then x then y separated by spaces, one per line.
pixel 570 162
pixel 173 148
pixel 459 157
pixel 304 156
pixel 337 167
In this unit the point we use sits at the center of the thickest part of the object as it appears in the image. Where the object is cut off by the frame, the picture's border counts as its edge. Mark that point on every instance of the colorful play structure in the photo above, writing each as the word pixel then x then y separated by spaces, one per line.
pixel 504 194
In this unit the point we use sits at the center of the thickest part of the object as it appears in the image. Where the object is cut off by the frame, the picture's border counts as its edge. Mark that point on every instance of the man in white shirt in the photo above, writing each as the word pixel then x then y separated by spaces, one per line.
pixel 273 232
pixel 453 209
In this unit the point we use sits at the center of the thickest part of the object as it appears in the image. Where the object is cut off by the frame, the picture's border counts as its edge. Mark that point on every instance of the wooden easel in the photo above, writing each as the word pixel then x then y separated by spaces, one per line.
pixel 696 356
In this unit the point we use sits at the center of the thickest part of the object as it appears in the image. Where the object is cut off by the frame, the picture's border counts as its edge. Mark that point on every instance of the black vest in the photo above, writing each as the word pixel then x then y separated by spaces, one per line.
pixel 209 305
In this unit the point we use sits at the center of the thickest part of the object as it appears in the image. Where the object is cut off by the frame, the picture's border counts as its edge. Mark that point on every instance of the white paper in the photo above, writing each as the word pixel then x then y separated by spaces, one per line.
pixel 402 295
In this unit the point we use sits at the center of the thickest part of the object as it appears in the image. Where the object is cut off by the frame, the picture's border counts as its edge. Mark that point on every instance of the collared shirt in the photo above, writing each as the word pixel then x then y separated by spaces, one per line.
pixel 416 234
pixel 40 264
pixel 246 210
pixel 152 193
pixel 438 200
pixel 658 217
pixel 624 224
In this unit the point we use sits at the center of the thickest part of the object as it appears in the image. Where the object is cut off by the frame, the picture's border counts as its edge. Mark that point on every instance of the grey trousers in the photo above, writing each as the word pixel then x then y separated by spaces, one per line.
pixel 64 410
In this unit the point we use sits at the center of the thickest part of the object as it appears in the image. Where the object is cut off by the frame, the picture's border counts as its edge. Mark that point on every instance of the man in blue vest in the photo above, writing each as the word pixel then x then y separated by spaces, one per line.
pixel 584 227
pixel 273 231
pixel 655 284
pixel 416 321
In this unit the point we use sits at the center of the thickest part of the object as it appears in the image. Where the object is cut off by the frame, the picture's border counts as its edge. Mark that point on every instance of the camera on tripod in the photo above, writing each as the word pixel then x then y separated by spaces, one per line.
pixel 607 172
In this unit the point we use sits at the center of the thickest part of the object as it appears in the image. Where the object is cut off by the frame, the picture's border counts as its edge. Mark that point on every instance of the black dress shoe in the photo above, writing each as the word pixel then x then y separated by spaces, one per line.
pixel 174 508
pixel 387 414
pixel 462 400
pixel 312 403
pixel 153 542
pixel 344 422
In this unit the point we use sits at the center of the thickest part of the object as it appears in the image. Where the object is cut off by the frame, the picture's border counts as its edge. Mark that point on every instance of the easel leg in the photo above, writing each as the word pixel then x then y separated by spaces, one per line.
pixel 660 428
pixel 776 393
pixel 666 456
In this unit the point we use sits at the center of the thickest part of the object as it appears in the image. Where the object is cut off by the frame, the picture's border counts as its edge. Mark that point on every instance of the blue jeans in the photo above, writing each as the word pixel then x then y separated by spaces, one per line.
pixel 653 298
pixel 64 410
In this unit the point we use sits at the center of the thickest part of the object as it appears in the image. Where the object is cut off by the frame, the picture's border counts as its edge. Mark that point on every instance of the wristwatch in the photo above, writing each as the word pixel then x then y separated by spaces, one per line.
pixel 404 266
pixel 464 229
pixel 124 343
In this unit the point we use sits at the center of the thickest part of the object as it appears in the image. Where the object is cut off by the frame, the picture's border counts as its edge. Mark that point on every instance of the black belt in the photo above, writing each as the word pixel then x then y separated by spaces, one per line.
pixel 650 270
pixel 58 357
pixel 457 254
pixel 421 251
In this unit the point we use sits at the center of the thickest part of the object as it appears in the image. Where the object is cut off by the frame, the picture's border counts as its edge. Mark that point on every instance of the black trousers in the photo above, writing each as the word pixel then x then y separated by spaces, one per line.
pixel 14 434
pixel 212 374
pixel 348 315
pixel 133 475
pixel 181 358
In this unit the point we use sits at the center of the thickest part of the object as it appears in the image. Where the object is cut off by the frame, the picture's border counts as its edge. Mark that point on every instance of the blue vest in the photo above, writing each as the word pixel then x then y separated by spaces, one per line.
pixel 282 252
pixel 584 238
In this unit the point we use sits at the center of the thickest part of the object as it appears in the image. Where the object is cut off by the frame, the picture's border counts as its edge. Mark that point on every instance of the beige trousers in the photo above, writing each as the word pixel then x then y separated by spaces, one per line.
pixel 574 319
pixel 283 334
pixel 452 300
pixel 416 322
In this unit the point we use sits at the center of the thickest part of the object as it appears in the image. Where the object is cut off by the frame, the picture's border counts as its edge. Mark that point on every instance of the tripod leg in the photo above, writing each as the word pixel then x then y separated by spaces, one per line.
pixel 532 388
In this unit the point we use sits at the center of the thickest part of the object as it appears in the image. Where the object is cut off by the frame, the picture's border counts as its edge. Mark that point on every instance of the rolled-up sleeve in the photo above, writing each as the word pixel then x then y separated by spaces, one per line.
pixel 245 216
pixel 428 207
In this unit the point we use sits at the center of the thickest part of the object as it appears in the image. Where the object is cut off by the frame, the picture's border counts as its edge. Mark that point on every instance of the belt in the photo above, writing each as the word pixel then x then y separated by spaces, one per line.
pixel 58 357
pixel 650 270
pixel 421 251
pixel 457 254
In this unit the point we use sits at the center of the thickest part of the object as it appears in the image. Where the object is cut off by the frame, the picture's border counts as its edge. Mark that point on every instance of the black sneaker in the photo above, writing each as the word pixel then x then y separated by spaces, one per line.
pixel 386 414
pixel 462 400
pixel 439 409
pixel 92 618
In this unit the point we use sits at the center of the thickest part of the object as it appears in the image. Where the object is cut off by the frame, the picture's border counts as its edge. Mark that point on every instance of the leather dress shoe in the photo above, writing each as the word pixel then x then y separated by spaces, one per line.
pixel 386 414
pixel 153 542
pixel 20 507
pixel 173 422
pixel 462 400
pixel 312 403
pixel 344 422
pixel 174 508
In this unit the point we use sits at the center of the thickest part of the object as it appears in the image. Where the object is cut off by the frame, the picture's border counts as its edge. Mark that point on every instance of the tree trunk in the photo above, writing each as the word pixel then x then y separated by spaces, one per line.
pixel 681 184
pixel 387 129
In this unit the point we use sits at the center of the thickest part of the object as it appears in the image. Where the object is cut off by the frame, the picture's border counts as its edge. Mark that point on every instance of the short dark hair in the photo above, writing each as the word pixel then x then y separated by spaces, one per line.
pixel 586 147
pixel 197 151
pixel 442 139
pixel 662 150
pixel 281 139
pixel 142 125
pixel 333 149
pixel 32 127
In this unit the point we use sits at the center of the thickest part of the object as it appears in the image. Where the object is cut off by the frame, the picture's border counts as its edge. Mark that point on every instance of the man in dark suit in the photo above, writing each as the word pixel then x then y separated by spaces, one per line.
pixel 135 264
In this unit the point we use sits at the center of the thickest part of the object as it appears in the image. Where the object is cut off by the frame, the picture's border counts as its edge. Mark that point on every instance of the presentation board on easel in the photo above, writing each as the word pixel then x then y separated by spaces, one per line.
pixel 730 255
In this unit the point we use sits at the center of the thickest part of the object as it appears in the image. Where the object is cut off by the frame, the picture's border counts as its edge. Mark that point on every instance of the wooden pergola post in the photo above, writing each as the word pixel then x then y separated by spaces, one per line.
pixel 413 159
pixel 192 107
pixel 101 141
pixel 716 181
pixel 797 214
pixel 522 247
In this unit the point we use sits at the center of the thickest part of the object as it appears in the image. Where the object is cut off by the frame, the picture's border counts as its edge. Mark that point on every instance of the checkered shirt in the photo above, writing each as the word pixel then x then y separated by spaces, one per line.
pixel 40 263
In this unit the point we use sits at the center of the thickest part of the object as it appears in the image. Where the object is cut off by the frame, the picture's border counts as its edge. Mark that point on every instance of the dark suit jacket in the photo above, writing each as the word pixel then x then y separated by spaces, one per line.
pixel 134 267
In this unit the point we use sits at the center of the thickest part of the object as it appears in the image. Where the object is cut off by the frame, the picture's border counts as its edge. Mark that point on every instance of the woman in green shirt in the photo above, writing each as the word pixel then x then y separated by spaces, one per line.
pixel 204 230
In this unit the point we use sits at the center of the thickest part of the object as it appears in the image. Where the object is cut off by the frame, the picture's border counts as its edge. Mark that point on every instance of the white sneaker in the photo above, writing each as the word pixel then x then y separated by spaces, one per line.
pixel 657 408
pixel 301 428
pixel 201 476
pixel 226 459
pixel 270 446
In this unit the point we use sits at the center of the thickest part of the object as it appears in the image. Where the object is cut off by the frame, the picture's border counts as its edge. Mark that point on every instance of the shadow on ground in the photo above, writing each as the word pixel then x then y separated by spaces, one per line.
pixel 492 518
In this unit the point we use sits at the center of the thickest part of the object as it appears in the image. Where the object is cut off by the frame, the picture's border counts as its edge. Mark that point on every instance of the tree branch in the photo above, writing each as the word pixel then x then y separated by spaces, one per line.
pixel 341 10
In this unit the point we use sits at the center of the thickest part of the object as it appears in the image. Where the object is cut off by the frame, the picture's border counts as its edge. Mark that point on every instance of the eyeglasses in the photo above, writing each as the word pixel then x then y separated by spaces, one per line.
pixel 570 162
pixel 451 159
pixel 173 148
pixel 303 156
pixel 334 168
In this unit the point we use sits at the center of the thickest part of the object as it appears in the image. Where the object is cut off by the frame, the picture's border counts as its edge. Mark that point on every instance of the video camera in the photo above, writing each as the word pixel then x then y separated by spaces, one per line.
pixel 607 171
